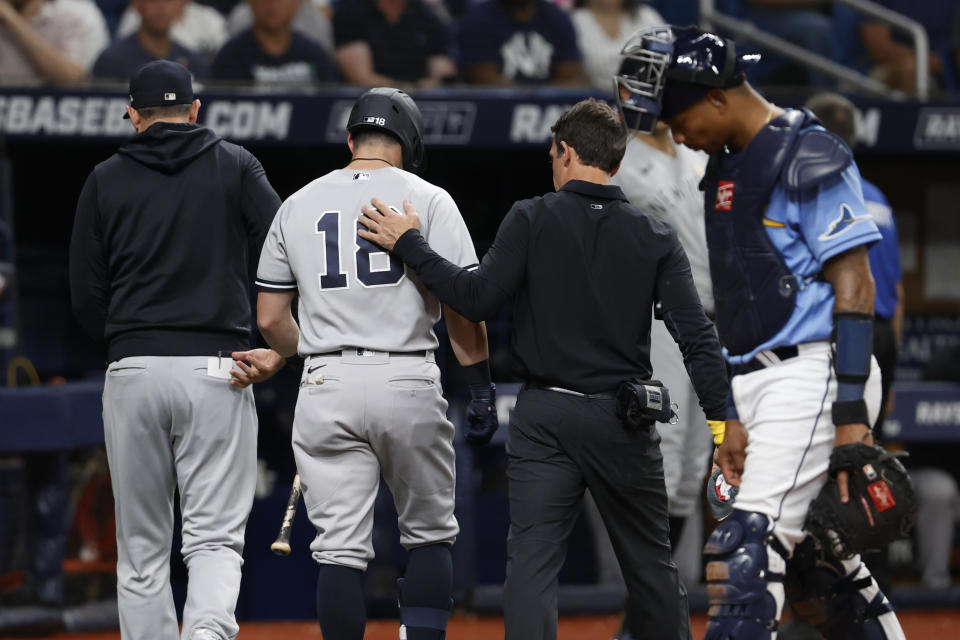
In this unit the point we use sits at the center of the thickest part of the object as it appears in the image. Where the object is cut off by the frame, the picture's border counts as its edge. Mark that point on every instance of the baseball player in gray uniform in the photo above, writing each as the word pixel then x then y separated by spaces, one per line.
pixel 662 178
pixel 370 398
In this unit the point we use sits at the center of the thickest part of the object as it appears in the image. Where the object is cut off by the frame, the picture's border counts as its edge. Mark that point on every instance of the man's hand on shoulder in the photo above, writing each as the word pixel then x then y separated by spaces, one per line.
pixel 384 225
pixel 257 365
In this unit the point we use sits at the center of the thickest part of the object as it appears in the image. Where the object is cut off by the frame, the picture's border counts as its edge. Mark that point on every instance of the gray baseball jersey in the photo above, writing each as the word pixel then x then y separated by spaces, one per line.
pixel 669 188
pixel 370 399
pixel 352 293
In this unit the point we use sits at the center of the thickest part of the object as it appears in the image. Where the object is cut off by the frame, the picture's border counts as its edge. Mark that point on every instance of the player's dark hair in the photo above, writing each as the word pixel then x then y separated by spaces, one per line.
pixel 593 128
pixel 836 113
pixel 166 111
pixel 375 136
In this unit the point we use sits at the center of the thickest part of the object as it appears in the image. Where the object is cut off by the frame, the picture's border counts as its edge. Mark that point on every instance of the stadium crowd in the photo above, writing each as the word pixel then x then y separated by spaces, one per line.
pixel 428 43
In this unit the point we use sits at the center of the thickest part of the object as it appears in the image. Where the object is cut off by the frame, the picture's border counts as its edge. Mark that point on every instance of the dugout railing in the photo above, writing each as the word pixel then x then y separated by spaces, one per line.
pixel 713 17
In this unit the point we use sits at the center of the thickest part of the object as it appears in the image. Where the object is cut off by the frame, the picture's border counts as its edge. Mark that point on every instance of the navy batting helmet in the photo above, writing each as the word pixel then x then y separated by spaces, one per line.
pixel 666 69
pixel 393 111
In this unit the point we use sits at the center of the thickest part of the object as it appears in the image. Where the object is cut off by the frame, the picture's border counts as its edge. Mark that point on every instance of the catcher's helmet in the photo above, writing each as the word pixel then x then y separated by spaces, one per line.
pixel 392 110
pixel 666 69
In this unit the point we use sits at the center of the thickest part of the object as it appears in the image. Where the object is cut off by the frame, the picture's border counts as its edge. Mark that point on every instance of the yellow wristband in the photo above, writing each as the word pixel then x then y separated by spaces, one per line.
pixel 718 428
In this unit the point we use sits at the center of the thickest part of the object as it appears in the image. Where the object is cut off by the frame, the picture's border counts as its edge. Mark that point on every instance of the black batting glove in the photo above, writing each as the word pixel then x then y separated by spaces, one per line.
pixel 482 421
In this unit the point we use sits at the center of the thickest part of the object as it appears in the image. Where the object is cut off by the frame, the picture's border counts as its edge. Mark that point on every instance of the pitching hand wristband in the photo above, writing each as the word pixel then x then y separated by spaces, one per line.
pixel 852 347
pixel 718 428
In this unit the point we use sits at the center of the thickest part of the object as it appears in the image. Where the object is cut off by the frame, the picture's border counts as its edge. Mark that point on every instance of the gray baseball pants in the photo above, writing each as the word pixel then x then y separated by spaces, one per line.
pixel 360 416
pixel 169 424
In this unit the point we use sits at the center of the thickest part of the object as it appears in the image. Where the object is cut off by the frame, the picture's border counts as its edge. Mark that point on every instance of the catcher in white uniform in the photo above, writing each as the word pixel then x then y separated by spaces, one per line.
pixel 370 398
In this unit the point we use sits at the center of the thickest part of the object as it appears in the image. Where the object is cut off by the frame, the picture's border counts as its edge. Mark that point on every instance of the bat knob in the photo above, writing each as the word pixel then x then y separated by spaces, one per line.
pixel 280 548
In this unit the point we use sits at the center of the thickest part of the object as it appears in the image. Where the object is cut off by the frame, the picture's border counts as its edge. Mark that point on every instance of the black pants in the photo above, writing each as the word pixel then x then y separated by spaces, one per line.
pixel 558 446
pixel 885 351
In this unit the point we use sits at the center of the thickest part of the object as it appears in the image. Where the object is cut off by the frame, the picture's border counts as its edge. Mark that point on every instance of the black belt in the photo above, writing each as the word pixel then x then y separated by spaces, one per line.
pixel 763 359
pixel 531 384
pixel 360 352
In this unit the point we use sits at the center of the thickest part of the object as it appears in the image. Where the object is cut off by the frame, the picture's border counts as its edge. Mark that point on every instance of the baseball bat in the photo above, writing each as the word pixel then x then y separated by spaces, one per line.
pixel 281 546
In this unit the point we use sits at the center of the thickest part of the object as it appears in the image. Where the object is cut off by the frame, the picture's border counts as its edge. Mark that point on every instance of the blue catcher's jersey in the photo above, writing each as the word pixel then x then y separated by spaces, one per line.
pixel 808 228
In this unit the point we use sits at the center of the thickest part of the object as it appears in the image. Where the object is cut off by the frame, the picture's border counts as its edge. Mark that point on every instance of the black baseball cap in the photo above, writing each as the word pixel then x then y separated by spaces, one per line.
pixel 160 83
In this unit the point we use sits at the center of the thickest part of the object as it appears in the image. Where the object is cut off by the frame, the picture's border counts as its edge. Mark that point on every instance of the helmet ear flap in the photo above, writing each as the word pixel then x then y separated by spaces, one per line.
pixel 418 159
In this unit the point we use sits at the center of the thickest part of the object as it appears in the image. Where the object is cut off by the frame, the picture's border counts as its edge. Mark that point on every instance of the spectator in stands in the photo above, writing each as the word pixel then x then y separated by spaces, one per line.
pixel 271 53
pixel 806 23
pixel 199 28
pixel 152 41
pixel 112 11
pixel 507 42
pixel 391 42
pixel 603 26
pixel 53 41
pixel 312 20
pixel 892 51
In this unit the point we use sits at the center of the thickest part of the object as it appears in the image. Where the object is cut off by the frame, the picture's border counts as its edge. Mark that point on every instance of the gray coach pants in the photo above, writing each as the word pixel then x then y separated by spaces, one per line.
pixel 169 424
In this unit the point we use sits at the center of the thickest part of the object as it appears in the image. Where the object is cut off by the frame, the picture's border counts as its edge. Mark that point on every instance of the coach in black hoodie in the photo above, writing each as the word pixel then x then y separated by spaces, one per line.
pixel 159 263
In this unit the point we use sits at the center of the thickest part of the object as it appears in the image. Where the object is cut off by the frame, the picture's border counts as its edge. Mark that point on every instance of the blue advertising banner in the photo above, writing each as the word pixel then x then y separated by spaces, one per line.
pixel 924 412
pixel 478 117
pixel 925 336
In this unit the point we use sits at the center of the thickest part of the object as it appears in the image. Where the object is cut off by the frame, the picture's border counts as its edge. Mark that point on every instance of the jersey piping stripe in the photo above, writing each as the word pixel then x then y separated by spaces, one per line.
pixel 472 267
pixel 767 222
pixel 267 284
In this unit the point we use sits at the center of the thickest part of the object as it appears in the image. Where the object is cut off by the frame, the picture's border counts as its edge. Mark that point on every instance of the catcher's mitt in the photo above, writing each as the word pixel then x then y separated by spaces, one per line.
pixel 882 505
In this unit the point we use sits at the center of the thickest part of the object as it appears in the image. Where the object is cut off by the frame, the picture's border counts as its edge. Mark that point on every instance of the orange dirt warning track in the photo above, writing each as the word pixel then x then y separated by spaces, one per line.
pixel 918 625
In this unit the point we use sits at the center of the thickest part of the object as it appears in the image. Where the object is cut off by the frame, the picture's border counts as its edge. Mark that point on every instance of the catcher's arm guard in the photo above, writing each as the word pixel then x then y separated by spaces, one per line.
pixel 882 506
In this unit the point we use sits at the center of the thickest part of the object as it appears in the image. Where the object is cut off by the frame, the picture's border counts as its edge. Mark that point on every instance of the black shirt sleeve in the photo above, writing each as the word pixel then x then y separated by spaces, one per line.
pixel 688 324
pixel 437 36
pixel 89 282
pixel 259 202
pixel 349 25
pixel 476 295
pixel 326 69
pixel 232 62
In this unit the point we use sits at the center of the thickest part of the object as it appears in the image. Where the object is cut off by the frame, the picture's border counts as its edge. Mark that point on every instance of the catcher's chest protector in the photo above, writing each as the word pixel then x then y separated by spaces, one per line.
pixel 754 290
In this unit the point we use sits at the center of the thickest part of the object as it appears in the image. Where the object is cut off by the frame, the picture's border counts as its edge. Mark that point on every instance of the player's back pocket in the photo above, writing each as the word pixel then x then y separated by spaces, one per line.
pixel 411 382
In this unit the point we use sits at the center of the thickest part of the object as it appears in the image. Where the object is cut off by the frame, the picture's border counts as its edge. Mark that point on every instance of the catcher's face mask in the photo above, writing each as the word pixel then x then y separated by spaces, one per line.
pixel 666 70
pixel 638 85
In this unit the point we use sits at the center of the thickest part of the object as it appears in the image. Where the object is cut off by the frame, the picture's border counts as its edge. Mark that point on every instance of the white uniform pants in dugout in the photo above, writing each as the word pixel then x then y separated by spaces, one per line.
pixel 361 413
pixel 169 423
pixel 687 445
